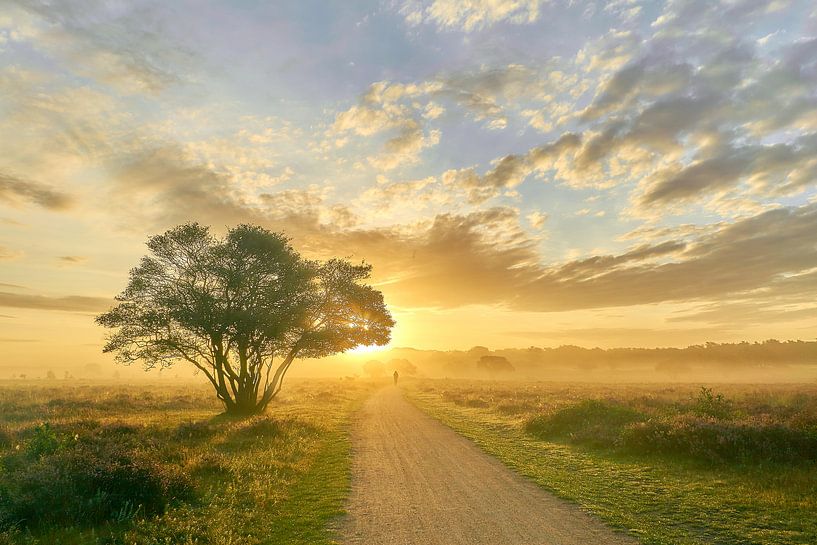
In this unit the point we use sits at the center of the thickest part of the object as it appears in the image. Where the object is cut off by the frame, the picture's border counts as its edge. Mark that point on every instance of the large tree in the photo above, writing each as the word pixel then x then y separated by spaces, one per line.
pixel 241 309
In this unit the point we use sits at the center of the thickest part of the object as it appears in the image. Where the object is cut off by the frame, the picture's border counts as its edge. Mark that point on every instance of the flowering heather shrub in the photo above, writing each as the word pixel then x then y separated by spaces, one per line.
pixel 472 401
pixel 58 479
pixel 477 403
pixel 592 421
pixel 514 407
pixel 714 440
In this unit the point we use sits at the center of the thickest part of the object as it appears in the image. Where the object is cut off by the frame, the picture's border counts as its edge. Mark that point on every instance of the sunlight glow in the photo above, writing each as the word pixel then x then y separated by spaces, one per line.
pixel 368 349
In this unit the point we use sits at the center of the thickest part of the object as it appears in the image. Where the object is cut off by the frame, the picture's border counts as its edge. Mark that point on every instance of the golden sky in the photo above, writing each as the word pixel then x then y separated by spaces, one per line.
pixel 519 172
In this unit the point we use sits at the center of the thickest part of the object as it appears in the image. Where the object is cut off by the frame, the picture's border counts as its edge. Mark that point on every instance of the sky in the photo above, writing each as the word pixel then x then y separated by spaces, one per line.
pixel 518 172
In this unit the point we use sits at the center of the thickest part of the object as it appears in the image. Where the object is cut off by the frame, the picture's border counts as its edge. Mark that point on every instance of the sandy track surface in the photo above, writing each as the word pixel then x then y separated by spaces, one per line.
pixel 416 481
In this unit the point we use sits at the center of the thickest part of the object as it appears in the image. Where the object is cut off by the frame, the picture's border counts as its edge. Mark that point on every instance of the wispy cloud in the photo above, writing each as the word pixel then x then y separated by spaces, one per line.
pixel 72 303
pixel 14 190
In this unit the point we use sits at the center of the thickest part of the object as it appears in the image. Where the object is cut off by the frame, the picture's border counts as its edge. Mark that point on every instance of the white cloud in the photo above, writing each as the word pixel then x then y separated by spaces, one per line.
pixel 470 15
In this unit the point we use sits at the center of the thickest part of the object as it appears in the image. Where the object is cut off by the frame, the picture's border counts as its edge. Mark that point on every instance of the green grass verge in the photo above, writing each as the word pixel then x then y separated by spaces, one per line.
pixel 659 501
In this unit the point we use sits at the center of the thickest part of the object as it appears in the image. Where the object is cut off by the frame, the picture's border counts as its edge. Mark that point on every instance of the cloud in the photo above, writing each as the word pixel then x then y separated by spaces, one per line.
pixel 8 253
pixel 675 116
pixel 738 257
pixel 72 303
pixel 405 147
pixel 470 15
pixel 392 198
pixel 72 259
pixel 537 220
pixel 511 170
pixel 14 190
pixel 126 47
pixel 486 258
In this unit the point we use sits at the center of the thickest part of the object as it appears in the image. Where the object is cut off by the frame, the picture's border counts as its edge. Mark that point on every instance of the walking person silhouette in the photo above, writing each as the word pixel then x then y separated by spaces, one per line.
pixel 396 375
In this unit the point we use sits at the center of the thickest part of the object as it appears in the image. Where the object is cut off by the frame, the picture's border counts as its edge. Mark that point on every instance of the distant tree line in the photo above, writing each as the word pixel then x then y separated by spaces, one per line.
pixel 533 360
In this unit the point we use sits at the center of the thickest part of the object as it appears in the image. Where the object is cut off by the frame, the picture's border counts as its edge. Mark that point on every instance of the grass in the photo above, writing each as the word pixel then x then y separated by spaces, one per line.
pixel 560 436
pixel 279 478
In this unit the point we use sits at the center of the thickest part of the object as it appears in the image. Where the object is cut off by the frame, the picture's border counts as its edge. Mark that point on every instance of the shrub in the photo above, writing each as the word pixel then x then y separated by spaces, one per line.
pixel 44 441
pixel 195 431
pixel 513 408
pixel 262 426
pixel 476 403
pixel 712 405
pixel 713 440
pixel 593 421
pixel 85 482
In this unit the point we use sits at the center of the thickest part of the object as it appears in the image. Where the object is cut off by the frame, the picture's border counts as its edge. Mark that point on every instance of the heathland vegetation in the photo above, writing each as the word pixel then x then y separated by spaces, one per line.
pixel 140 465
pixel 731 464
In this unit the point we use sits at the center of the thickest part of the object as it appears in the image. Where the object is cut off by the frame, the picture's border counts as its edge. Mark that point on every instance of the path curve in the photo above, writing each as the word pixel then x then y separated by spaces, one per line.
pixel 415 481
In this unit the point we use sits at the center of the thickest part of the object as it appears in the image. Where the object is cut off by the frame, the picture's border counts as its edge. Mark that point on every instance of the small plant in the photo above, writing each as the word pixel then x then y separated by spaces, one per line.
pixel 44 441
pixel 713 405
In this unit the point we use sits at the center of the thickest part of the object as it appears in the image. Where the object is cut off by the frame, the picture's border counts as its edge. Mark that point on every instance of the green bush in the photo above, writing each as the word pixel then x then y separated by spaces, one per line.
pixel 712 405
pixel 45 441
pixel 6 438
pixel 594 422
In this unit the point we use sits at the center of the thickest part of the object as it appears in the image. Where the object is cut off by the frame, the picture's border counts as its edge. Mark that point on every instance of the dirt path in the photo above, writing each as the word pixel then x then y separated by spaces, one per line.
pixel 416 481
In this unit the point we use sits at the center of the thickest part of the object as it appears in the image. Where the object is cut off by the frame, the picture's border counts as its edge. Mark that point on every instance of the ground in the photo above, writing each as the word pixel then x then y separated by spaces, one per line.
pixel 356 461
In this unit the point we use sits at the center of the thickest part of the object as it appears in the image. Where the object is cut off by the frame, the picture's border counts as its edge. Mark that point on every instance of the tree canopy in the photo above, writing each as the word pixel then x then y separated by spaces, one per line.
pixel 241 309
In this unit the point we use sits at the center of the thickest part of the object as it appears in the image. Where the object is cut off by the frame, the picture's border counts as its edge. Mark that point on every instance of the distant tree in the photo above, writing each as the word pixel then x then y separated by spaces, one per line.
pixel 374 368
pixel 494 365
pixel 50 375
pixel 403 366
pixel 241 309
pixel 478 352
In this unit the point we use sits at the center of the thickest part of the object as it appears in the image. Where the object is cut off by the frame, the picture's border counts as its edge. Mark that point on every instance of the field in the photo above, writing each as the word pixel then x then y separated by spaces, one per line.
pixel 93 463
pixel 672 464
pixel 104 464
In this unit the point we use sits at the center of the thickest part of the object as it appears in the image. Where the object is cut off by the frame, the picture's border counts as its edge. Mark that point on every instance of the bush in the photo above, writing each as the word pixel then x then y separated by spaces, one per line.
pixel 595 422
pixel 262 426
pixel 513 408
pixel 713 440
pixel 195 431
pixel 45 441
pixel 712 405
pixel 80 482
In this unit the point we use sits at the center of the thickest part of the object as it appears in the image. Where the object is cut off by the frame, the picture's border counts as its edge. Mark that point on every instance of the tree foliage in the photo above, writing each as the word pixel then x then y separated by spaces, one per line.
pixel 241 309
pixel 494 364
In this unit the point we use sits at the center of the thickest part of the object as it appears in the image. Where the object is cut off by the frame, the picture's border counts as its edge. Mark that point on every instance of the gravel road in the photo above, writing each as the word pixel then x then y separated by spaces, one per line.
pixel 416 481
